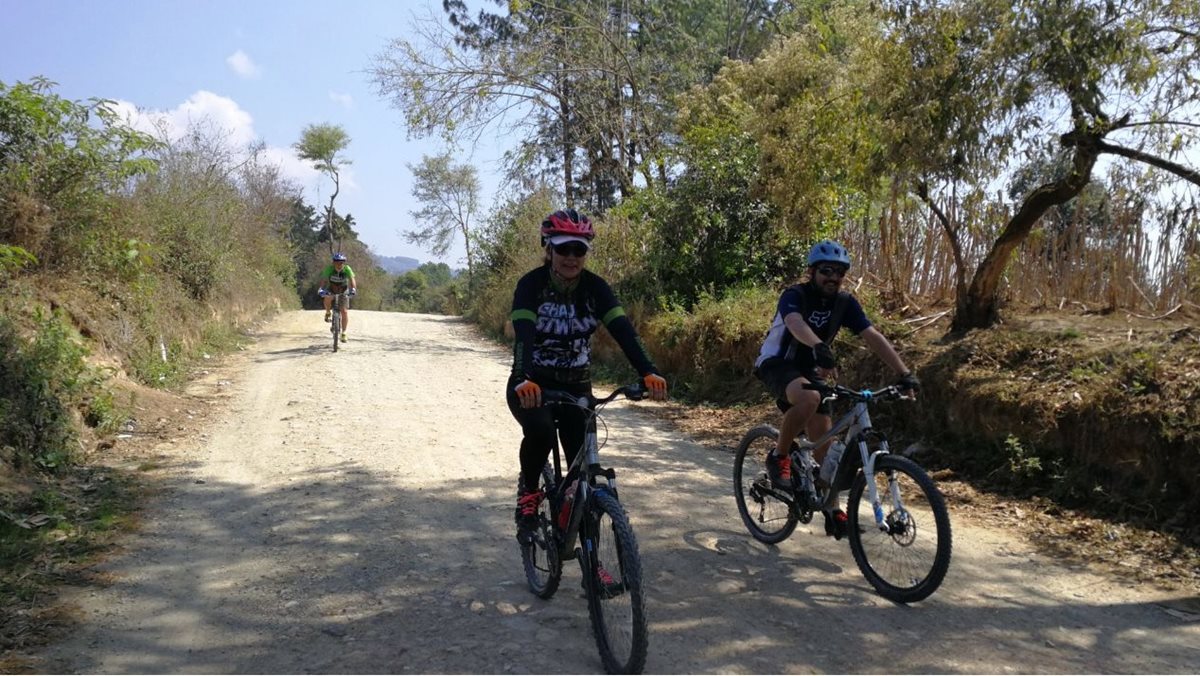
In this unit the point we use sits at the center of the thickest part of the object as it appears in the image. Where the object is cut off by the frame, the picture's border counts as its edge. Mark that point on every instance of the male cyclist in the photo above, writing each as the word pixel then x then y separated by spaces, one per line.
pixel 336 278
pixel 556 309
pixel 796 351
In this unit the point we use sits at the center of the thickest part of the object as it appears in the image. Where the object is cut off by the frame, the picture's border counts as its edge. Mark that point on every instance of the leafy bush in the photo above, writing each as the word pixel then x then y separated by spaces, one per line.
pixel 59 161
pixel 710 349
pixel 42 383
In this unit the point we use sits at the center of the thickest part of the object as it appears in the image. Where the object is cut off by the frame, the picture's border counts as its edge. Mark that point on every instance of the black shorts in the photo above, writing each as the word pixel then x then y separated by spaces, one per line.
pixel 777 373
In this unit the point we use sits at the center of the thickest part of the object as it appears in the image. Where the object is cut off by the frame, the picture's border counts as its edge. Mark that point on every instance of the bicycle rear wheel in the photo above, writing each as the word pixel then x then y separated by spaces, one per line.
pixel 613 582
pixel 768 517
pixel 908 561
pixel 543 567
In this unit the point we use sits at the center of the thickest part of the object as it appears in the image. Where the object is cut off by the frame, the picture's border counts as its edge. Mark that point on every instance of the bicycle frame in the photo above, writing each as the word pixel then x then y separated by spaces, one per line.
pixel 339 300
pixel 586 468
pixel 855 426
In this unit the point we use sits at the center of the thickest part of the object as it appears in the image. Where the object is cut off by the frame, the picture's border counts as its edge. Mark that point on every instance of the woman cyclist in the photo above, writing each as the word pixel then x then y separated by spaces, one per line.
pixel 556 309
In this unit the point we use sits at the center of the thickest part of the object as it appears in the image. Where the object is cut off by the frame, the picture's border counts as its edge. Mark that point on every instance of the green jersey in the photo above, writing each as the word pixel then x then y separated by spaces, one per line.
pixel 338 281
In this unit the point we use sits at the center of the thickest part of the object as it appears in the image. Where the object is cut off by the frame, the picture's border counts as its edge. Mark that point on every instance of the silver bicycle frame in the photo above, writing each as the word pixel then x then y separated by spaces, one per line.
pixel 853 424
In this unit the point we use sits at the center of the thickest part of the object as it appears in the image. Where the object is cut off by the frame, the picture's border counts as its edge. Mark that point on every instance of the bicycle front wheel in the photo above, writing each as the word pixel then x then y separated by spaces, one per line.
pixel 335 325
pixel 613 581
pixel 768 517
pixel 907 560
pixel 543 567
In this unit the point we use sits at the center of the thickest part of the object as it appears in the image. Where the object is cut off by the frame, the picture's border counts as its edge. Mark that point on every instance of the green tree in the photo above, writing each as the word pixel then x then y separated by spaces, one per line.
pixel 449 199
pixel 60 163
pixel 712 227
pixel 438 274
pixel 987 83
pixel 867 102
pixel 591 84
pixel 323 144
pixel 303 234
pixel 409 288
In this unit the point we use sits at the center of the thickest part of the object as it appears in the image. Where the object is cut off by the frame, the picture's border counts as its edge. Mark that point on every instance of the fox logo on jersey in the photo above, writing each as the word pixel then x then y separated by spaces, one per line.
pixel 818 318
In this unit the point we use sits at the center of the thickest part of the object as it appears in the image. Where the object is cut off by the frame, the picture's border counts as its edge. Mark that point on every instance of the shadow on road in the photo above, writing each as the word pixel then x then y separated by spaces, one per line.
pixel 344 571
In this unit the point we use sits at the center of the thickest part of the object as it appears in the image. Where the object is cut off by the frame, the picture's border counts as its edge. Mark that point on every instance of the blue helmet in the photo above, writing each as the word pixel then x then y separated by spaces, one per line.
pixel 828 251
pixel 339 257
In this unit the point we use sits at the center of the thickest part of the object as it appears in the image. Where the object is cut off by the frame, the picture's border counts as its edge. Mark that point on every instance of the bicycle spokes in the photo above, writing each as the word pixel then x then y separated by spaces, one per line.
pixel 766 511
pixel 905 553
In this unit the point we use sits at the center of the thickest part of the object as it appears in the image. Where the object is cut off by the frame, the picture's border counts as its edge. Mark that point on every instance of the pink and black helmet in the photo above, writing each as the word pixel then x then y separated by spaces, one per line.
pixel 567 224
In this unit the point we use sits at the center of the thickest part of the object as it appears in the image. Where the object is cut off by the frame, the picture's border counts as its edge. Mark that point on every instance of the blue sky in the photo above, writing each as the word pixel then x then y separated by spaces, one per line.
pixel 262 70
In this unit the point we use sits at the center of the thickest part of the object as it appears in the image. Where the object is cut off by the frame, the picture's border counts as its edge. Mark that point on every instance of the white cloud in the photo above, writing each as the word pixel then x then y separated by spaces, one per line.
pixel 243 65
pixel 204 107
pixel 345 100
pixel 225 116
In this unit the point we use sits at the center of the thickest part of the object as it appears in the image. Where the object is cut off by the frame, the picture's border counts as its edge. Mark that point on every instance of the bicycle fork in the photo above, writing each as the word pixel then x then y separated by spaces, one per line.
pixel 897 505
pixel 868 468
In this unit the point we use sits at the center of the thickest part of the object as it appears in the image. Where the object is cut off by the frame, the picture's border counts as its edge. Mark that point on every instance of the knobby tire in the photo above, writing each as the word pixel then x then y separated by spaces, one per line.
pixel 769 519
pixel 622 641
pixel 335 324
pixel 909 562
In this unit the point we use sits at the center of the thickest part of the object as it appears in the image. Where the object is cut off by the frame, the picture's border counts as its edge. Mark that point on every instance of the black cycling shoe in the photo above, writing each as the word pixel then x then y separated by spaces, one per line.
pixel 837 524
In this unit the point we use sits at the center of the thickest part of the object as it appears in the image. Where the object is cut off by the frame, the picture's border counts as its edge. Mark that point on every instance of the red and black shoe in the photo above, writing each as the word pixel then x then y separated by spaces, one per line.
pixel 837 524
pixel 779 470
pixel 528 504
pixel 608 586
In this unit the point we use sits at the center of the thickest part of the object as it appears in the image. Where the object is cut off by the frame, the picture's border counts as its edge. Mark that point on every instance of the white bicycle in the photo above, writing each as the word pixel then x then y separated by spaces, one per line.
pixel 898 525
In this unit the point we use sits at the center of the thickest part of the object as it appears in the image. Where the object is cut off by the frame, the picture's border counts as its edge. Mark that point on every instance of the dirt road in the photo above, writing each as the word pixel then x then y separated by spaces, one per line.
pixel 352 513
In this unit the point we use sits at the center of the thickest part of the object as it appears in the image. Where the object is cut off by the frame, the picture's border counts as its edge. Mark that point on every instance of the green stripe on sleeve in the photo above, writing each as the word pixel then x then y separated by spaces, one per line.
pixel 618 311
pixel 523 314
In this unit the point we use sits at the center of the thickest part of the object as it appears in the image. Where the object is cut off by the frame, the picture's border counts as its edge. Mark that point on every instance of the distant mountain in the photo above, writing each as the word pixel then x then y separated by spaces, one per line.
pixel 397 265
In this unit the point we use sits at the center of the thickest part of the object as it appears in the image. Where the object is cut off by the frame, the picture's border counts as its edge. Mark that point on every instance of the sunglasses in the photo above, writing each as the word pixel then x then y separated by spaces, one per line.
pixel 832 271
pixel 576 249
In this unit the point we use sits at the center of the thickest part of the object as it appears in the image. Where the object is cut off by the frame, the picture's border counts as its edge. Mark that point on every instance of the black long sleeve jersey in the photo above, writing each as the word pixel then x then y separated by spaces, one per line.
pixel 554 324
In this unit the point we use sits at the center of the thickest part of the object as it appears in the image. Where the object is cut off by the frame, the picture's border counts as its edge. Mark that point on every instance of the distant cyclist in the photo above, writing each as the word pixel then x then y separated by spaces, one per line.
pixel 796 351
pixel 336 278
pixel 556 309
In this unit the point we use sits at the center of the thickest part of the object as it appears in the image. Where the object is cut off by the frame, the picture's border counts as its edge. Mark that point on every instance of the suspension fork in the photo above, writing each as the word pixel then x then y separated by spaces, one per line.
pixel 588 472
pixel 872 490
pixel 868 467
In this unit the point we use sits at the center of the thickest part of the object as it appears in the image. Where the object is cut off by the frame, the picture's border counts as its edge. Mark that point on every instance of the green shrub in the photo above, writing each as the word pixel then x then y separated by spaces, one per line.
pixel 710 350
pixel 42 382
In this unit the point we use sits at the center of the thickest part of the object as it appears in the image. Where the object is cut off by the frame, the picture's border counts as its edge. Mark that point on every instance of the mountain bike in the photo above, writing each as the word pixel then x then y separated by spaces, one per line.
pixel 581 518
pixel 898 527
pixel 335 323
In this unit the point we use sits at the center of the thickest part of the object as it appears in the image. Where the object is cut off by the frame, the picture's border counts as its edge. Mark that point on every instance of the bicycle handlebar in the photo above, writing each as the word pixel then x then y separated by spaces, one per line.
pixel 835 391
pixel 634 392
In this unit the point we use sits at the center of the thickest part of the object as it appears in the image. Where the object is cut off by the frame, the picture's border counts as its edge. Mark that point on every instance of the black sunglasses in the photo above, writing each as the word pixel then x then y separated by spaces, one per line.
pixel 832 271
pixel 576 249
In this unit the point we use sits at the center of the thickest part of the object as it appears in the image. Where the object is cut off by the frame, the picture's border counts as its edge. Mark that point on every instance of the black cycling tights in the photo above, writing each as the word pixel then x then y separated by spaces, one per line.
pixel 539 425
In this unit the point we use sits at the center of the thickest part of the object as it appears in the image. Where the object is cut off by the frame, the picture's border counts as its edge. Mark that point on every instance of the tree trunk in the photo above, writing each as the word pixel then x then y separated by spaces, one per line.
pixel 568 147
pixel 337 186
pixel 977 307
pixel 951 231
